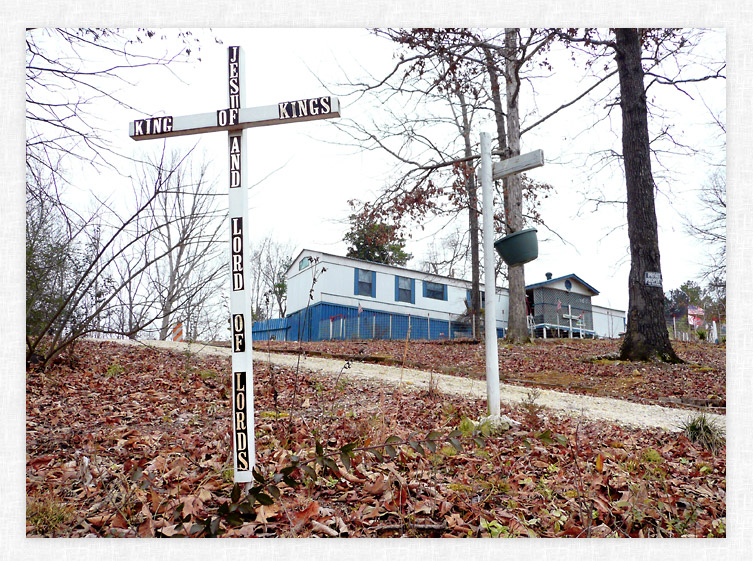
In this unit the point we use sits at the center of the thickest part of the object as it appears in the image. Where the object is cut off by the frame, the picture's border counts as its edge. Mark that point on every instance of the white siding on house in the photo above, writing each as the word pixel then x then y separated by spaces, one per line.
pixel 336 285
pixel 608 323
pixel 299 283
pixel 575 287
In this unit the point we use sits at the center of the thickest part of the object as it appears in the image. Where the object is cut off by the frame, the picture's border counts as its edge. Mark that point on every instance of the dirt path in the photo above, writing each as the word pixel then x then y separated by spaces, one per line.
pixel 594 408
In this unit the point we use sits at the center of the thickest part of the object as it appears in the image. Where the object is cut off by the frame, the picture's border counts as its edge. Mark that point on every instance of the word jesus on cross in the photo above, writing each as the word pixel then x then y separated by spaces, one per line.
pixel 235 119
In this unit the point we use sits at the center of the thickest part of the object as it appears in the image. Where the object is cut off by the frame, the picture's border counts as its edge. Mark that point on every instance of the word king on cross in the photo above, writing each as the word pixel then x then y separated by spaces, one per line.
pixel 236 119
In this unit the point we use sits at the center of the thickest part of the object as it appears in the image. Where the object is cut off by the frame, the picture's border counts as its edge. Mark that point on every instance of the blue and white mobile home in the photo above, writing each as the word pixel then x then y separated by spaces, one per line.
pixel 351 298
pixel 335 297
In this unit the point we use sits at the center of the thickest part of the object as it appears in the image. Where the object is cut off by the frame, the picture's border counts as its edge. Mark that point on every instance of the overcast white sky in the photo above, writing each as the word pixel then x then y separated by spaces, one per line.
pixel 304 200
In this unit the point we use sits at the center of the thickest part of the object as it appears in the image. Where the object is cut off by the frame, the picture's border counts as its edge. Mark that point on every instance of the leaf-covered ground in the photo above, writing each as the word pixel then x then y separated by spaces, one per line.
pixel 572 365
pixel 127 441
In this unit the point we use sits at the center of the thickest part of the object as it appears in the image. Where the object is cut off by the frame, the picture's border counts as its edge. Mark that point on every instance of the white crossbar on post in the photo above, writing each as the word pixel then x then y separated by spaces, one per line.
pixel 236 119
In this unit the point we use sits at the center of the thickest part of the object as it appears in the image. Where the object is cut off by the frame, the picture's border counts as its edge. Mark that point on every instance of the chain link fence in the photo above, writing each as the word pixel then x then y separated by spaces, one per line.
pixel 680 330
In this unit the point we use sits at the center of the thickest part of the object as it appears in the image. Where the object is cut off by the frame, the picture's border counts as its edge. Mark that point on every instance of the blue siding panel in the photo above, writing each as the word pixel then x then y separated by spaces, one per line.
pixel 277 329
pixel 324 321
pixel 440 329
pixel 419 327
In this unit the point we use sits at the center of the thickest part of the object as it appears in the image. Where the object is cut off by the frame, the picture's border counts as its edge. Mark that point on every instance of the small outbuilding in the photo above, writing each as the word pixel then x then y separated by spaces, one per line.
pixel 562 307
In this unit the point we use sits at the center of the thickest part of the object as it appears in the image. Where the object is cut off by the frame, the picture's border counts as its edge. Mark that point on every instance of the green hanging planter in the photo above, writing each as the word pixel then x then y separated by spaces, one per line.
pixel 519 247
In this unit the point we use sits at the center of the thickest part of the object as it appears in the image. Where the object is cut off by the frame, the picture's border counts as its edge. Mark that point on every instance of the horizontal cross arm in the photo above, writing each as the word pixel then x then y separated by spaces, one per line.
pixel 518 164
pixel 236 119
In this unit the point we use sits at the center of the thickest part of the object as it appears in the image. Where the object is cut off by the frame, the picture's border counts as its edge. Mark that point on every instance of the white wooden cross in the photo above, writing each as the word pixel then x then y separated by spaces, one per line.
pixel 579 320
pixel 499 170
pixel 235 120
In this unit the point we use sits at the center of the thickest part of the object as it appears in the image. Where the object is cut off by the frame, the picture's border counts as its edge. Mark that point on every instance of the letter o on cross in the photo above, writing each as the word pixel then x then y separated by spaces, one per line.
pixel 238 323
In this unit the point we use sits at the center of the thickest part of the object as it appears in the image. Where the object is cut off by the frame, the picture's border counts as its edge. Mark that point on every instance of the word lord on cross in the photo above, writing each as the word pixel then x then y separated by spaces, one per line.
pixel 235 119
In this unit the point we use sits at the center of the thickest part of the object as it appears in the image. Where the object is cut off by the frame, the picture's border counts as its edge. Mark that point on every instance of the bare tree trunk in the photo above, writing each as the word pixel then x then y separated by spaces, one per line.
pixel 175 266
pixel 472 222
pixel 517 327
pixel 647 336
pixel 170 296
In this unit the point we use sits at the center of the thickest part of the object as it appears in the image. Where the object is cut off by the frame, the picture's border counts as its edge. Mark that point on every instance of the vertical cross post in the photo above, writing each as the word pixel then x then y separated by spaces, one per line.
pixel 244 447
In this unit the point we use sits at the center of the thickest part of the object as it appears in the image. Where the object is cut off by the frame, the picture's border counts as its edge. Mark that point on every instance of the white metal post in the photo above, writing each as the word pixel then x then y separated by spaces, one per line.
pixel 490 318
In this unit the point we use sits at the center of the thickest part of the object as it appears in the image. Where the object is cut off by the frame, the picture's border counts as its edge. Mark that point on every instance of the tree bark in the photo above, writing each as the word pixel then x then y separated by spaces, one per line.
pixel 473 229
pixel 647 337
pixel 517 325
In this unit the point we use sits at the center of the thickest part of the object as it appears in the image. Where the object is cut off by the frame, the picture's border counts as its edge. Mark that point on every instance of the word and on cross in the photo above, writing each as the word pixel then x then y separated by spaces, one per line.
pixel 235 119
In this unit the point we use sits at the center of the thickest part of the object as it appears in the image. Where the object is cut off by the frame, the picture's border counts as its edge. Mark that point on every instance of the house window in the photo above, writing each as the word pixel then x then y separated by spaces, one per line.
pixel 405 290
pixel 468 298
pixel 305 262
pixel 365 283
pixel 435 290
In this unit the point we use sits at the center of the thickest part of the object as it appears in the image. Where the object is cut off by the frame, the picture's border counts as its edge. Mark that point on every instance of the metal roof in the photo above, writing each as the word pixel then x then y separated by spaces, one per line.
pixel 424 273
pixel 419 273
pixel 570 276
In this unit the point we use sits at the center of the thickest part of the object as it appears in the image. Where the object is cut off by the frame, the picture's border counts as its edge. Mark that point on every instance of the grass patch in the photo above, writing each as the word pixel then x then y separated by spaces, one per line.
pixel 114 370
pixel 651 456
pixel 46 515
pixel 205 374
pixel 273 415
pixel 705 432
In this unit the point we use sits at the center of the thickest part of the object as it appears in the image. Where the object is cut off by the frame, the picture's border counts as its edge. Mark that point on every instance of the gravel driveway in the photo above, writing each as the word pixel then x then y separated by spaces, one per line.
pixel 594 408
